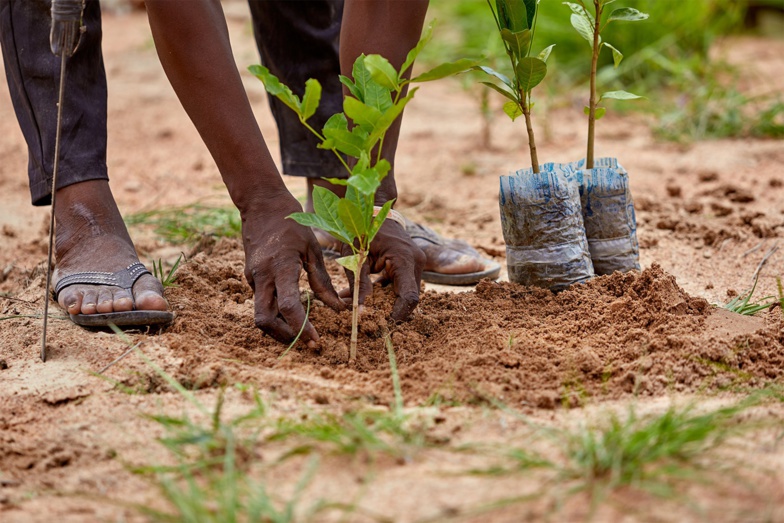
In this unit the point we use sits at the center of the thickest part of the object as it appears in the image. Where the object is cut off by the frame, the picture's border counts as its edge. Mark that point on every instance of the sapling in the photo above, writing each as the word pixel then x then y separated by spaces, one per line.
pixel 516 22
pixel 590 27
pixel 377 96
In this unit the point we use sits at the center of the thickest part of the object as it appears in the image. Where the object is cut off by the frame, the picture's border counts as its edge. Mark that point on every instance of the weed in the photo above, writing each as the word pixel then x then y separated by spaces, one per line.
pixel 742 304
pixel 647 451
pixel 166 279
pixel 188 223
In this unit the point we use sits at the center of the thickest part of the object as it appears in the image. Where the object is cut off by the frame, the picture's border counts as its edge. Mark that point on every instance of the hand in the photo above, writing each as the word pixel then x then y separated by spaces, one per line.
pixel 67 27
pixel 276 250
pixel 393 252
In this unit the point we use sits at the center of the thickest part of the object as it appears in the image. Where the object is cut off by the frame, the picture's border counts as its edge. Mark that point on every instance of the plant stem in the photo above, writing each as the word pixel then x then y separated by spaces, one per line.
pixel 530 128
pixel 592 102
pixel 352 354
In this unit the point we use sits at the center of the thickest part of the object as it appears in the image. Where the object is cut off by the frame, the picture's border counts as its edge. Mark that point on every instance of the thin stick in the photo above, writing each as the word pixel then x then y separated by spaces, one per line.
pixel 54 194
pixel 123 355
pixel 765 258
pixel 753 249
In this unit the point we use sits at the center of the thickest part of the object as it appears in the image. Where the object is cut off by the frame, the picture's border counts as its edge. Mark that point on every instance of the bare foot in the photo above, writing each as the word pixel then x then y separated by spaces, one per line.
pixel 91 237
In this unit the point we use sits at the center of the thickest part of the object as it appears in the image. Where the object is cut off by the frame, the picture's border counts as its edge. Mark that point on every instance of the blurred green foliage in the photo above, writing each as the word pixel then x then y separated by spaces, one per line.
pixel 666 60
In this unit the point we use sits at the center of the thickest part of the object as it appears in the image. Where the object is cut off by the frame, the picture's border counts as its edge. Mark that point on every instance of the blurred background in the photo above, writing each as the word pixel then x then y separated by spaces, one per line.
pixel 686 59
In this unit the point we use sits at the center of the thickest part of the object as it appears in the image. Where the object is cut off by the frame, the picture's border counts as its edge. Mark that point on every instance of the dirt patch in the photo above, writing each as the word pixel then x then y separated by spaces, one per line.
pixel 707 215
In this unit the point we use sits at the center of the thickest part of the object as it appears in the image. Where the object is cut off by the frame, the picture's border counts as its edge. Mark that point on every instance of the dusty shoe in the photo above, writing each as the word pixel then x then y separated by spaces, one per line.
pixel 449 261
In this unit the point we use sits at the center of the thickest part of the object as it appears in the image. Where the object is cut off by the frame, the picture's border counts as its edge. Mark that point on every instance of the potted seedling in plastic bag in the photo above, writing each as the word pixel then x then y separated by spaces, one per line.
pixel 541 213
pixel 376 99
pixel 608 208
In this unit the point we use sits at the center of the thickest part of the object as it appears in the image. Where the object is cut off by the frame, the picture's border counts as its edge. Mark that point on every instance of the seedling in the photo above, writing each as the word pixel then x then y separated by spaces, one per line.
pixel 516 22
pixel 590 26
pixel 377 98
pixel 167 279
pixel 742 304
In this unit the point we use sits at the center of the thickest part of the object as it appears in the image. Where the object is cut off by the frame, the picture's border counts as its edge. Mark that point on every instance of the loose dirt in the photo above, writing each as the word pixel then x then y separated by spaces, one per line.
pixel 707 213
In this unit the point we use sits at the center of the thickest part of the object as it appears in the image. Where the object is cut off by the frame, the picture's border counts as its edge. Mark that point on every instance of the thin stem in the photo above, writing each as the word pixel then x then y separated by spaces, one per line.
pixel 352 355
pixel 592 101
pixel 530 128
pixel 311 129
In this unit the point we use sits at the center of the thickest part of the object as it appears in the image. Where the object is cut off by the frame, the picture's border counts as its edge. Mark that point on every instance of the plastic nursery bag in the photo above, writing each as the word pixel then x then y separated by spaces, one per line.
pixel 541 217
pixel 608 215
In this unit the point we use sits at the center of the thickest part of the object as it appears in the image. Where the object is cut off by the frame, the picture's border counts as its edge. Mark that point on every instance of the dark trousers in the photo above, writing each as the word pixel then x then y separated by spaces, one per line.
pixel 297 40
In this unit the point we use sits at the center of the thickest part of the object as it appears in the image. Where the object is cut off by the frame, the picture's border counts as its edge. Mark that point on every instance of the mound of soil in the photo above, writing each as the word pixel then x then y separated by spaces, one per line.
pixel 616 335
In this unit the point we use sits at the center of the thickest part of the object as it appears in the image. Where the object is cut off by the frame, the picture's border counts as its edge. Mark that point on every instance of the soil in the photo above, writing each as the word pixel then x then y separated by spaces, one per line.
pixel 708 213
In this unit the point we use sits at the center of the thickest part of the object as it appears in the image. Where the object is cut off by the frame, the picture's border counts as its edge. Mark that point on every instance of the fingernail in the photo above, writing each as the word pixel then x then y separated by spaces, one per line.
pixel 312 344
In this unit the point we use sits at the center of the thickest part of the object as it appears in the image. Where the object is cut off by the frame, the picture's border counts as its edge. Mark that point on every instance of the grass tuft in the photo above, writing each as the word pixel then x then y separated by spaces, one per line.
pixel 188 223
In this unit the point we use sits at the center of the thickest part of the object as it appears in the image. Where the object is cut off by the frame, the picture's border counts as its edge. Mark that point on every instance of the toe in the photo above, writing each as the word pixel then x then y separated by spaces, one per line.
pixel 90 301
pixel 148 294
pixel 70 299
pixel 105 303
pixel 122 300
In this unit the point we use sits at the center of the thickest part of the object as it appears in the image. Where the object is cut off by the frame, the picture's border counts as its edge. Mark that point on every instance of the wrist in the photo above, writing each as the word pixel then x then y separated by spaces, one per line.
pixel 393 215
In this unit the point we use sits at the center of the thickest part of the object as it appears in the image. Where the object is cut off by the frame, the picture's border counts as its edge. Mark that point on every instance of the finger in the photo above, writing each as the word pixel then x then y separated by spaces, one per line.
pixel 320 281
pixel 266 313
pixel 290 306
pixel 406 278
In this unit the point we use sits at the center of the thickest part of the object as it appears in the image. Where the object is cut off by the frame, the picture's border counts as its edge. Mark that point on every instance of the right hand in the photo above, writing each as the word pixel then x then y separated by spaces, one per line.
pixel 67 27
pixel 276 250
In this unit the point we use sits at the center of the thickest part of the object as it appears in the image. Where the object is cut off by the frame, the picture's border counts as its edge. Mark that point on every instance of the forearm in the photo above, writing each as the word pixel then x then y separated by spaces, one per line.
pixel 192 41
pixel 389 28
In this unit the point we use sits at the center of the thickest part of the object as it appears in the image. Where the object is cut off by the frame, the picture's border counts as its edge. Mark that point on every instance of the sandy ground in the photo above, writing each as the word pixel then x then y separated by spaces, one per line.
pixel 707 213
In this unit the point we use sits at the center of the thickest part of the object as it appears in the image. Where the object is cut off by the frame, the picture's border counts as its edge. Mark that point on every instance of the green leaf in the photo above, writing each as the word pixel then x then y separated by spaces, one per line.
pixel 309 219
pixel 325 205
pixel 349 262
pixel 337 181
pixel 508 94
pixel 382 71
pixel 512 14
pixel 372 94
pixel 382 167
pixel 447 69
pixel 388 117
pixel 339 137
pixel 352 87
pixel 512 109
pixel 531 6
pixel 530 73
pixel 362 115
pixel 545 54
pixel 581 12
pixel 350 143
pixel 583 27
pixel 518 42
pixel 365 182
pixel 619 95
pixel 493 72
pixel 363 203
pixel 378 220
pixel 413 53
pixel 598 113
pixel 311 98
pixel 352 218
pixel 617 55
pixel 628 14
pixel 277 89
pixel 336 121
